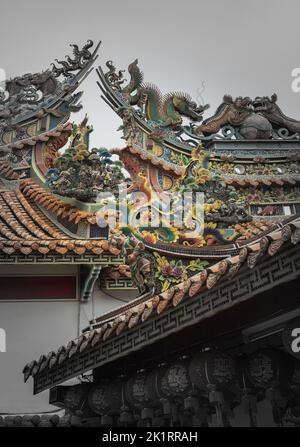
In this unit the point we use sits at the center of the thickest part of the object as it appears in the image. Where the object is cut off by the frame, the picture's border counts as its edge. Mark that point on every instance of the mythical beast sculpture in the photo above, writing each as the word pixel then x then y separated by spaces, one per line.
pixel 269 108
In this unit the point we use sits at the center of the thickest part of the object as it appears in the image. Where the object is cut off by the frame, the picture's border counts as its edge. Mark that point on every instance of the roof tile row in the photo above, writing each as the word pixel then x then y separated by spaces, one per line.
pixel 46 199
pixel 25 229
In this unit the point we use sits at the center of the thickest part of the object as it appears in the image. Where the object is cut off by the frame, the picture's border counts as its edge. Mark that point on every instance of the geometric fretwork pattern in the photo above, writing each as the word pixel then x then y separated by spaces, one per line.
pixel 285 266
pixel 117 284
pixel 86 258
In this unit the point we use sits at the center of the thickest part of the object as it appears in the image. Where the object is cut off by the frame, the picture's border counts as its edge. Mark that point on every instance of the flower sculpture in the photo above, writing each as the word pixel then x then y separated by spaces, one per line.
pixel 173 271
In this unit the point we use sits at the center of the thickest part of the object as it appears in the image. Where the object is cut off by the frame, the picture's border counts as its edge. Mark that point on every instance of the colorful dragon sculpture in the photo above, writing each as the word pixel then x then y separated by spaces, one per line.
pixel 166 110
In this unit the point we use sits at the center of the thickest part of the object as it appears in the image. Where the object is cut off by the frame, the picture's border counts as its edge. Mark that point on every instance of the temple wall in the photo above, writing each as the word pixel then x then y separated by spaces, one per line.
pixel 31 328
pixel 38 326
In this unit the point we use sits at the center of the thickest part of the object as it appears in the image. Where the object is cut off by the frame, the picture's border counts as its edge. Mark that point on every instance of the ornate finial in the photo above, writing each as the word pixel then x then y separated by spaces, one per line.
pixel 80 59
pixel 114 78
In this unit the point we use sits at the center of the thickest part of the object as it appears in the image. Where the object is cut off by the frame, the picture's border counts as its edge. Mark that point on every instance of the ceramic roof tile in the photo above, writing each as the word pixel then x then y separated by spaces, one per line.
pixel 24 228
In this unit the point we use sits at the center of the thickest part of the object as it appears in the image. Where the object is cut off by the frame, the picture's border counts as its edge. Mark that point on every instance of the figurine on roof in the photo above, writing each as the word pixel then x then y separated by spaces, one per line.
pixel 81 173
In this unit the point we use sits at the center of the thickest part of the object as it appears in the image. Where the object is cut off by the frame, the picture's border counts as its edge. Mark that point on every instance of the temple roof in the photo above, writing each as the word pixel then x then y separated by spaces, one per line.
pixel 26 229
pixel 32 97
pixel 34 112
pixel 245 164
pixel 112 324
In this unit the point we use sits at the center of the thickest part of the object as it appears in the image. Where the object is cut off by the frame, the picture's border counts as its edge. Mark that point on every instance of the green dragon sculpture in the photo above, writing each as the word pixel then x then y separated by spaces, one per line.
pixel 166 110
pixel 237 113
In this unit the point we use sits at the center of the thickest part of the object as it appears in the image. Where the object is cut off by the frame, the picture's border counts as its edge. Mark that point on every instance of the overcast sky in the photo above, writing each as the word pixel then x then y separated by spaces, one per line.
pixel 233 46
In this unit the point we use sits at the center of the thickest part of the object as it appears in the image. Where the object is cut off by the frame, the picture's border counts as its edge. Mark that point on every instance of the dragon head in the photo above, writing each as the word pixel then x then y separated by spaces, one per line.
pixel 184 105
pixel 264 104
